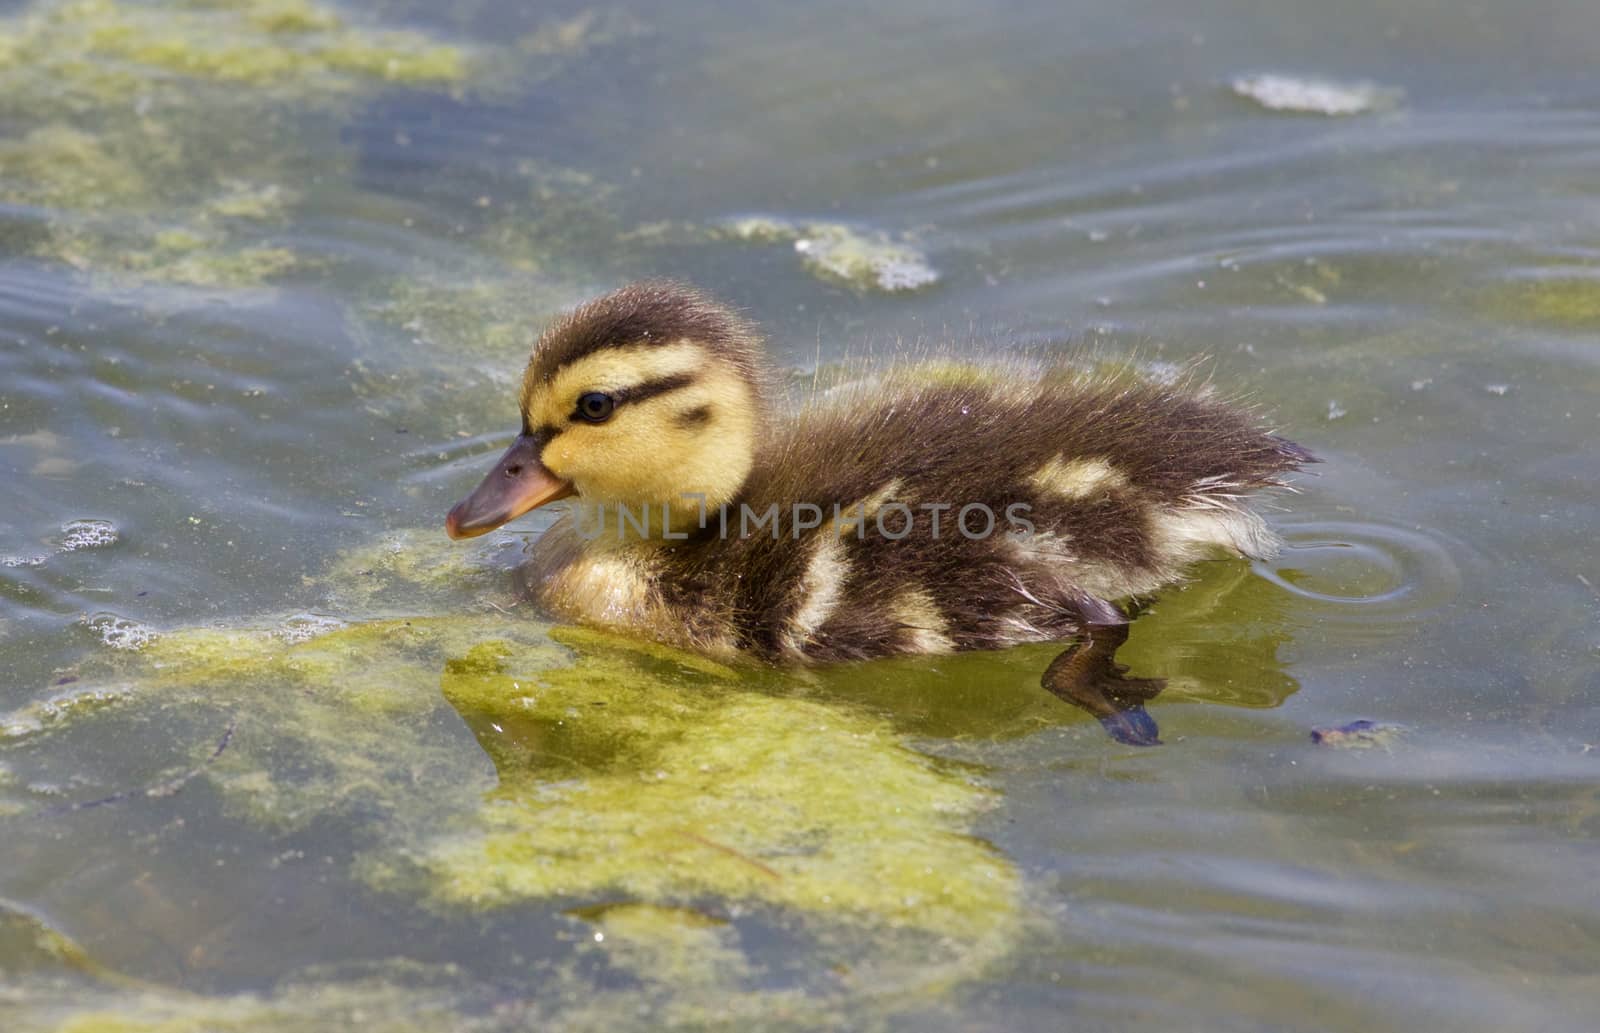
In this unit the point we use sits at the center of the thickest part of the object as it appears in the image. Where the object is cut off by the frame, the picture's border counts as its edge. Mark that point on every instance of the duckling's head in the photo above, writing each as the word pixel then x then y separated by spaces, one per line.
pixel 648 396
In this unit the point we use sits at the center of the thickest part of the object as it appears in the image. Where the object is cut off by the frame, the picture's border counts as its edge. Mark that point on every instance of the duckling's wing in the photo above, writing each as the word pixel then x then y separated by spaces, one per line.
pixel 1119 483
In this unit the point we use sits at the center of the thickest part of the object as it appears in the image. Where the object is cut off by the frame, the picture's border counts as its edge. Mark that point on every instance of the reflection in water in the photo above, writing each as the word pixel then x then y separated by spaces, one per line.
pixel 1215 639
pixel 1088 676
pixel 1371 576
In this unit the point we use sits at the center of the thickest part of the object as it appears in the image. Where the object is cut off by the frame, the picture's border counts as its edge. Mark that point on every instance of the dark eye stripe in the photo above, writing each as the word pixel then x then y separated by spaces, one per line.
pixel 637 393
pixel 641 392
pixel 652 388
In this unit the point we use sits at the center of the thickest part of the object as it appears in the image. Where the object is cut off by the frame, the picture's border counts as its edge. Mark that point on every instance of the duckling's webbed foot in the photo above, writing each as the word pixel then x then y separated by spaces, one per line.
pixel 1088 676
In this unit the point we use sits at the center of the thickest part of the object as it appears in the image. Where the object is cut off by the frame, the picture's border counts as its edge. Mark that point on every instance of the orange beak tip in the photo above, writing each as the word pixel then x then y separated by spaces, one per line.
pixel 452 524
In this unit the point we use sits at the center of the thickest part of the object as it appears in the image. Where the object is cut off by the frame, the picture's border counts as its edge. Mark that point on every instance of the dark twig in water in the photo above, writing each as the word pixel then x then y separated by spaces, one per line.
pixel 736 855
pixel 171 787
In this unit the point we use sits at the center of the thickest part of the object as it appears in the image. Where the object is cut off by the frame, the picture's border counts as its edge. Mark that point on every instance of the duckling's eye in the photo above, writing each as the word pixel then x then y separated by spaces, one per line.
pixel 595 406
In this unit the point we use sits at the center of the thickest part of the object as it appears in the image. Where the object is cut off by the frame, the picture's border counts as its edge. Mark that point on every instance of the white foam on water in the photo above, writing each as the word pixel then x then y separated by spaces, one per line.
pixel 120 632
pixel 303 627
pixel 1314 96
pixel 88 534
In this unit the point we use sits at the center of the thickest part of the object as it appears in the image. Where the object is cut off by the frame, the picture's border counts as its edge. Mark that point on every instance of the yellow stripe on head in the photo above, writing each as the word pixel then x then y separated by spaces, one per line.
pixel 613 371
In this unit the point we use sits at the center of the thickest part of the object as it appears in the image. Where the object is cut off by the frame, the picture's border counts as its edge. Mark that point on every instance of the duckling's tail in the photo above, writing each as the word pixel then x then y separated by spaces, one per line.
pixel 1294 456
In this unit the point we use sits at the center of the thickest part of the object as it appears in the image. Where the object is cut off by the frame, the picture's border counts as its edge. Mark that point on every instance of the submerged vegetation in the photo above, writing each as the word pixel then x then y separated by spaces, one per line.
pixel 1570 300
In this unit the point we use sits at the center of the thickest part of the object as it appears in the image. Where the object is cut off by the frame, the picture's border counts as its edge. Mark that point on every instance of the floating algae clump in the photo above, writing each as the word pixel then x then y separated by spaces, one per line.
pixel 671 944
pixel 58 165
pixel 338 721
pixel 206 260
pixel 330 714
pixel 262 42
pixel 414 569
pixel 152 138
pixel 28 943
pixel 861 259
pixel 69 705
pixel 633 768
pixel 749 805
pixel 841 253
pixel 379 1001
pixel 1571 301
pixel 702 788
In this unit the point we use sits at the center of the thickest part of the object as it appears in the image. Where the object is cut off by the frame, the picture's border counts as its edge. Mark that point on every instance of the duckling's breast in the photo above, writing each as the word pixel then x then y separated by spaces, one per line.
pixel 617 587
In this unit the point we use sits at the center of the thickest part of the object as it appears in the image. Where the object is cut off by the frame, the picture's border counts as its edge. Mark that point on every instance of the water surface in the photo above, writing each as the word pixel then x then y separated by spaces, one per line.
pixel 268 272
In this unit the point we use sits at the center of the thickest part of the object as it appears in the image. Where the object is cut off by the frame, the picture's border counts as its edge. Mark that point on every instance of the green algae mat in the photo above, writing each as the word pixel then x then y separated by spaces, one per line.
pixel 653 796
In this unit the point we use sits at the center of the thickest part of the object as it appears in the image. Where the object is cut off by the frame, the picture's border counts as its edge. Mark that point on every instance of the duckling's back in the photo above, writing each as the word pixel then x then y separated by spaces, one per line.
pixel 978 511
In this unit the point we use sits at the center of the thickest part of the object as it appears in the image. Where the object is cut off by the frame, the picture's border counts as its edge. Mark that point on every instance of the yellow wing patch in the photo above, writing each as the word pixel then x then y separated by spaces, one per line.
pixel 1078 478
pixel 822 585
pixel 925 627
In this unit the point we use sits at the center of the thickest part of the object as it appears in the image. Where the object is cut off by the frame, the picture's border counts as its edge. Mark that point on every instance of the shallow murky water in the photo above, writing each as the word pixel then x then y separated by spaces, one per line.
pixel 276 756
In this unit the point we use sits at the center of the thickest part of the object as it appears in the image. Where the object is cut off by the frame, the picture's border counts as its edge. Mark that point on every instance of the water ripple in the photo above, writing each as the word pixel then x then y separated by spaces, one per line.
pixel 1365 572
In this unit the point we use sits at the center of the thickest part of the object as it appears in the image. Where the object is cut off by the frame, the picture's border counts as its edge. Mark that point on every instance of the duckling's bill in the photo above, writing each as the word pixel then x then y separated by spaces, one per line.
pixel 518 483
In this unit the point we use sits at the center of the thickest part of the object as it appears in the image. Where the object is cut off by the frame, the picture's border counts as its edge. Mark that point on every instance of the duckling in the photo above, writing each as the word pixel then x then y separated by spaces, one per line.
pixel 932 510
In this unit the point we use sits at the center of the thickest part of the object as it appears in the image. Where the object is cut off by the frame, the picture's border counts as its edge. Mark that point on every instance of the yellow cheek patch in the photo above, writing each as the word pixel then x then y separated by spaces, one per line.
pixel 647 454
